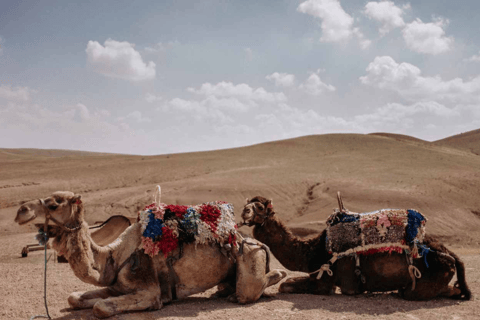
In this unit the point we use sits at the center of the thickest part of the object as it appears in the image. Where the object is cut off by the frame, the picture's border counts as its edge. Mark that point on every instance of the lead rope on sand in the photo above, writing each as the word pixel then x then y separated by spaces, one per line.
pixel 45 239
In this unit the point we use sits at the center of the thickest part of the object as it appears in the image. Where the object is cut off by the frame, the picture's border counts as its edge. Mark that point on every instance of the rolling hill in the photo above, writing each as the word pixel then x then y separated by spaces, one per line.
pixel 301 175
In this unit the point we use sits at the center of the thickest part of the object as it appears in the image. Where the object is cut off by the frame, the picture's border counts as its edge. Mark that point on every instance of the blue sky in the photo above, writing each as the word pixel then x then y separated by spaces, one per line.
pixel 156 77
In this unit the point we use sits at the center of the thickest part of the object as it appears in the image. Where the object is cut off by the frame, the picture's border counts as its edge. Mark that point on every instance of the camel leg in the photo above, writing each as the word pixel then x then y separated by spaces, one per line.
pixel 433 283
pixel 86 299
pixel 146 299
pixel 251 278
pixel 309 284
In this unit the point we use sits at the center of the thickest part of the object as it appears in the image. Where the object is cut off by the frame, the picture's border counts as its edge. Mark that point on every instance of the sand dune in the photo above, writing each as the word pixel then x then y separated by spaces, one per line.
pixel 302 176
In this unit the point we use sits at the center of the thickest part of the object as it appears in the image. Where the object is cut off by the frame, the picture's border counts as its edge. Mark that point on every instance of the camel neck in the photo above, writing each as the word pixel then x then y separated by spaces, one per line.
pixel 89 261
pixel 293 253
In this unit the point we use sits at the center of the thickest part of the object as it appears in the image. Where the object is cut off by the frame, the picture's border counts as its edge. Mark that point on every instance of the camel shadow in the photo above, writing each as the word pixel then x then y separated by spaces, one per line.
pixel 369 304
pixel 190 307
pixel 363 304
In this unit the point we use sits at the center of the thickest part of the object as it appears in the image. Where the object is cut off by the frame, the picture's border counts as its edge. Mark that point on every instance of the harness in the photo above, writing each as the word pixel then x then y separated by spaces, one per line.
pixel 48 217
pixel 255 214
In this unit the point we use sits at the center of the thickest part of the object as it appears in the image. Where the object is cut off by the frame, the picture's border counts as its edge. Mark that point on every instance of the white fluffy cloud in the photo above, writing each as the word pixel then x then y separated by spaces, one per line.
pixel 315 86
pixel 336 23
pixel 119 60
pixel 408 81
pixel 241 91
pixel 15 94
pixel 200 110
pixel 428 38
pixel 387 13
pixel 282 79
pixel 396 112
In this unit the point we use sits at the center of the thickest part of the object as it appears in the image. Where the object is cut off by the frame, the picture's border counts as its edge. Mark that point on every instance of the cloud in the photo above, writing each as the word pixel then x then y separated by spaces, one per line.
pixel 336 23
pixel 15 94
pixel 241 91
pixel 161 47
pixel 119 60
pixel 200 110
pixel 84 113
pixel 248 53
pixel 387 13
pixel 474 58
pixel 282 79
pixel 396 112
pixel 408 81
pixel 150 98
pixel 315 86
pixel 135 116
pixel 428 38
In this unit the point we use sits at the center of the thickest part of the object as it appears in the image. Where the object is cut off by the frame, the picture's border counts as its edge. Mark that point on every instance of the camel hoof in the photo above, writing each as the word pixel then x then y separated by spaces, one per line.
pixel 74 300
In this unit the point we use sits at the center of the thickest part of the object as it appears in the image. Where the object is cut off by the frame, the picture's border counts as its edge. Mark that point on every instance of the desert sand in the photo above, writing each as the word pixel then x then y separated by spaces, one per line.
pixel 302 176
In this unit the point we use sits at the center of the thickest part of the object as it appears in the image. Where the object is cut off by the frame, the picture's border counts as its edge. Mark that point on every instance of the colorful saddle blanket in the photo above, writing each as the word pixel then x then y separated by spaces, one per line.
pixel 386 230
pixel 164 227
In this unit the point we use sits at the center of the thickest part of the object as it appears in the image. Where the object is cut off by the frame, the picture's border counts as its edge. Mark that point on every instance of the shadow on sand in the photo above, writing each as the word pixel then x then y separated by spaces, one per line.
pixel 364 304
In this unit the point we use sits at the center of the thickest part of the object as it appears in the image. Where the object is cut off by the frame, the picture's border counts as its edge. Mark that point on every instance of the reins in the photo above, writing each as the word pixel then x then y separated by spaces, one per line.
pixel 45 239
pixel 48 217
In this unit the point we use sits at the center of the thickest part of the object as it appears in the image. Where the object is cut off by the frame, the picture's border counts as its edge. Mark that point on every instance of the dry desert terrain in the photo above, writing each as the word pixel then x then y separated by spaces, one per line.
pixel 302 176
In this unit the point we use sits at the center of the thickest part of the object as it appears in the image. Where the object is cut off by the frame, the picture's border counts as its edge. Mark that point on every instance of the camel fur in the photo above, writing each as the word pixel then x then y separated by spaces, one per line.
pixel 132 280
pixel 381 271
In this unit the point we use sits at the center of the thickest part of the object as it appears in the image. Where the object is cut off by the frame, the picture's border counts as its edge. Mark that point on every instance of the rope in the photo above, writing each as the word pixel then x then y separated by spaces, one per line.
pixel 45 238
pixel 414 273
pixel 324 268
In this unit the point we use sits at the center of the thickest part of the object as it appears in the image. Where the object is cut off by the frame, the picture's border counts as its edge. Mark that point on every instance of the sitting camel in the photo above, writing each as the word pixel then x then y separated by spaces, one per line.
pixel 134 280
pixel 378 272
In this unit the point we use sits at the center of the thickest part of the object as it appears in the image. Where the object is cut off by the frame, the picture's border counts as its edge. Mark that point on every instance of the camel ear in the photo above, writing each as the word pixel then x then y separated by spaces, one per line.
pixel 269 205
pixel 247 200
pixel 76 199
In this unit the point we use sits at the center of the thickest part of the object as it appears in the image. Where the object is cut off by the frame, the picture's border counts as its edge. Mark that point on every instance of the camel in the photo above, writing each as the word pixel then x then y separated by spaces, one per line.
pixel 130 279
pixel 379 272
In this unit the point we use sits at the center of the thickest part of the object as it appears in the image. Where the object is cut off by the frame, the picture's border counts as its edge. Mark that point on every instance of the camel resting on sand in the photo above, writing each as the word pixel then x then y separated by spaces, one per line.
pixel 378 272
pixel 133 280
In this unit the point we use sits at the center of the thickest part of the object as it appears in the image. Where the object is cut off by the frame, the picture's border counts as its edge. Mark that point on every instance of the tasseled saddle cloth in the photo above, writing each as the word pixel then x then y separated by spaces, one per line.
pixel 386 230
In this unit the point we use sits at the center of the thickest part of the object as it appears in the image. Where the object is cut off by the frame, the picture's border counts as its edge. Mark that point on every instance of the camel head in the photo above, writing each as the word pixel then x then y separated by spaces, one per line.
pixel 62 208
pixel 256 211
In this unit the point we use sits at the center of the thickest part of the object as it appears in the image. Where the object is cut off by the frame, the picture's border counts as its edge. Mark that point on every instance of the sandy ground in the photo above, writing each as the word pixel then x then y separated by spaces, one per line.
pixel 302 177
pixel 21 284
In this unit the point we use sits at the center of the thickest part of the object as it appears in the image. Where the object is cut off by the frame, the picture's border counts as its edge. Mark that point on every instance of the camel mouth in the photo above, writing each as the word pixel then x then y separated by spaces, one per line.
pixel 21 223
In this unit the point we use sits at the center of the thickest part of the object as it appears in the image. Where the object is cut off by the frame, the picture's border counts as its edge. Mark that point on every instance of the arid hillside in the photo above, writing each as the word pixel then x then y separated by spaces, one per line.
pixel 467 141
pixel 301 175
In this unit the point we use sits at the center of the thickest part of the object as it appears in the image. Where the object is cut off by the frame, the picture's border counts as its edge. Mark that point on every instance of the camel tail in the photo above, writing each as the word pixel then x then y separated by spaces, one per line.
pixel 461 282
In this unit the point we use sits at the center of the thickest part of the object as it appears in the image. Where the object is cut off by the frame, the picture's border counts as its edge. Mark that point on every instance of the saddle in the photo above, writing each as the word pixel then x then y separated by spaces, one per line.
pixel 387 230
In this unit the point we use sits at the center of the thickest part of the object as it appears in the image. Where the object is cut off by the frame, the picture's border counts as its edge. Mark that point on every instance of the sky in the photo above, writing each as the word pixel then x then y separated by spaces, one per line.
pixel 160 77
